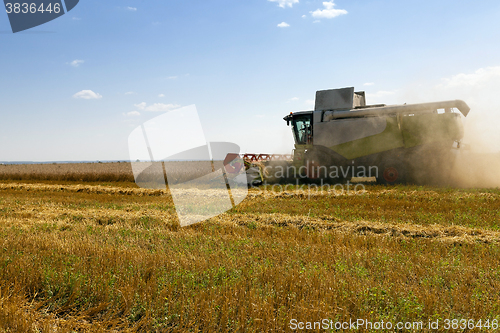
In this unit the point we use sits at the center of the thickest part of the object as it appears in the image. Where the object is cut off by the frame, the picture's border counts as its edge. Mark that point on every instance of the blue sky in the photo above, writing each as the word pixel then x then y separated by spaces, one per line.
pixel 75 88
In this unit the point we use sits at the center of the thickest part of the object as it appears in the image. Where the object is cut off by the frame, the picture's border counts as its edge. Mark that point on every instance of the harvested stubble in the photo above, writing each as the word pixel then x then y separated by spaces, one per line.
pixel 103 258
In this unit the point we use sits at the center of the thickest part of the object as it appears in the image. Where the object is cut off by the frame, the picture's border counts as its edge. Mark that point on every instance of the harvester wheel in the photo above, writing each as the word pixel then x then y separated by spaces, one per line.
pixel 431 165
pixel 313 169
pixel 319 164
pixel 276 172
pixel 312 165
pixel 391 172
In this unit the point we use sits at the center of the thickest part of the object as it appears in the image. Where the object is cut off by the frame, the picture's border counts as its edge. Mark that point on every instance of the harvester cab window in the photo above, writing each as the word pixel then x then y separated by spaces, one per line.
pixel 302 129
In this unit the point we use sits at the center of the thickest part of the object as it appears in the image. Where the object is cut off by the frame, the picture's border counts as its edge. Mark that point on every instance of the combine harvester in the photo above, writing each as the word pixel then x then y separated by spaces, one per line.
pixel 345 138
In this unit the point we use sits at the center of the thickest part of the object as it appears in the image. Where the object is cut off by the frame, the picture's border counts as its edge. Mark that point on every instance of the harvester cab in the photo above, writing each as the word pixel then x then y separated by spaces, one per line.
pixel 302 128
pixel 398 143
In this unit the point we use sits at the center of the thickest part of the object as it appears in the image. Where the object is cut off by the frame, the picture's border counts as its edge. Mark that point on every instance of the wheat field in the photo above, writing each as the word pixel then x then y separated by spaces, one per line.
pixel 107 256
pixel 80 172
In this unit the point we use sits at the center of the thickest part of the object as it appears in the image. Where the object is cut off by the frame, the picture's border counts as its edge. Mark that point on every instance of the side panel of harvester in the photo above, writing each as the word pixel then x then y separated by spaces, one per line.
pixel 354 138
pixel 431 127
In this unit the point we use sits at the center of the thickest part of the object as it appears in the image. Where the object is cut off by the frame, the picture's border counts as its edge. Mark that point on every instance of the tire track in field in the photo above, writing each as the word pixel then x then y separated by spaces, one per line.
pixel 453 234
pixel 91 189
pixel 252 193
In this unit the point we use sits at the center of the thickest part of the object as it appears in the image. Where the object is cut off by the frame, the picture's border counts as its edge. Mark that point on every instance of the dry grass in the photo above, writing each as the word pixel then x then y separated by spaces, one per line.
pixel 96 258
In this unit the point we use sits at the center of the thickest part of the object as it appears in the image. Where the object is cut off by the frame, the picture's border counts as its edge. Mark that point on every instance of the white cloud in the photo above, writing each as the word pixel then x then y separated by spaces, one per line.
pixel 157 107
pixel 329 11
pixel 172 77
pixel 304 16
pixel 130 93
pixel 381 93
pixel 479 89
pixel 285 3
pixel 382 97
pixel 133 113
pixel 309 102
pixel 480 77
pixel 161 95
pixel 87 94
pixel 76 63
pixel 132 9
pixel 283 25
pixel 141 106
pixel 368 84
pixel 293 99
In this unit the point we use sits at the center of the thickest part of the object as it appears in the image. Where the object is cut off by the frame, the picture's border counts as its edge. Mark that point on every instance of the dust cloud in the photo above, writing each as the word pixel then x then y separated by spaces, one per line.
pixel 477 163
